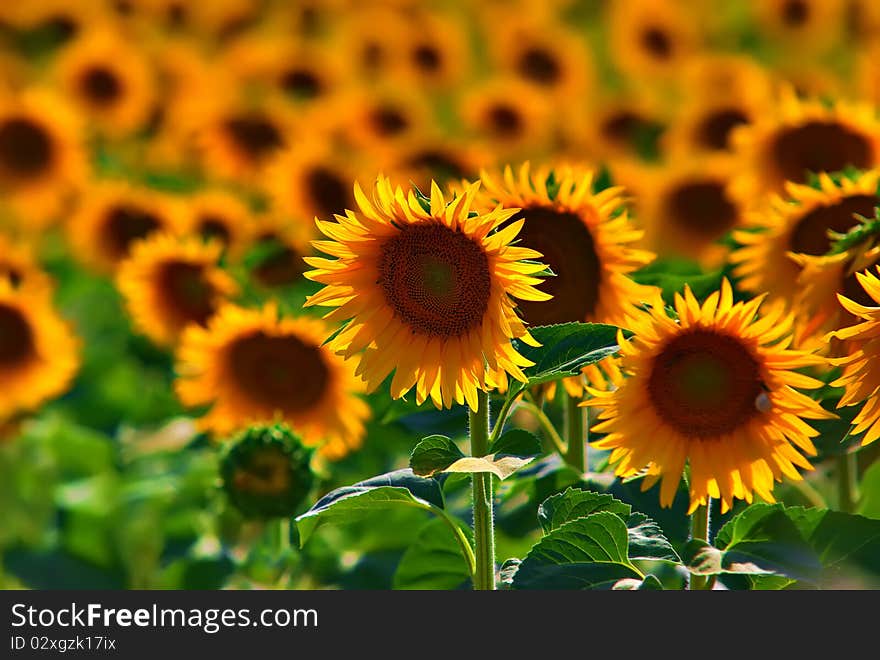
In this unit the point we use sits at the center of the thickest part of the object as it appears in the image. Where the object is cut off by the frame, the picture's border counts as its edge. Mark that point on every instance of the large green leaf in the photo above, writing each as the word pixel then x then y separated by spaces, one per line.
pixel 869 488
pixel 516 442
pixel 434 454
pixel 566 348
pixel 434 561
pixel 575 503
pixel 762 539
pixel 398 488
pixel 586 553
pixel 848 545
pixel 647 541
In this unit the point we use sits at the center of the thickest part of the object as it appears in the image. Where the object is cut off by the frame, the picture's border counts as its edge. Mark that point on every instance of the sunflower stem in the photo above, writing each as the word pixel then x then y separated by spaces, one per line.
pixel 550 431
pixel 484 524
pixel 700 531
pixel 502 417
pixel 283 535
pixel 847 472
pixel 575 434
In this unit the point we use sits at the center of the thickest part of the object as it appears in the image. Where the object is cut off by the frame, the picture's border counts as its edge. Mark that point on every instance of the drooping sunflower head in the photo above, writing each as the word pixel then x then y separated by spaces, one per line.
pixel 585 238
pixel 168 283
pixel 265 472
pixel 713 389
pixel 861 377
pixel 650 39
pixel 800 224
pixel 39 355
pixel 113 216
pixel 109 80
pixel 427 286
pixel 804 136
pixel 686 209
pixel 41 154
pixel 251 366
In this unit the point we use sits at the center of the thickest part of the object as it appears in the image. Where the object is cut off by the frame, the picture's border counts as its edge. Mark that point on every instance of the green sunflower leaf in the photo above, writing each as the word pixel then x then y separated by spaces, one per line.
pixel 434 561
pixel 586 553
pixel 501 466
pixel 565 349
pixel 575 503
pixel 760 540
pixel 393 489
pixel 516 442
pixel 434 454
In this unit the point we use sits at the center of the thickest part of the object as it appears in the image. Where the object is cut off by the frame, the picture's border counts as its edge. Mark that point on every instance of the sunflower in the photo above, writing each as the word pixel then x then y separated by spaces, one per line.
pixel 650 39
pixel 20 269
pixel 860 377
pixel 510 115
pixel 238 140
pixel 585 238
pixel 109 80
pixel 801 26
pixel 42 160
pixel 169 283
pixel 251 367
pixel 372 53
pixel 800 224
pixel 222 216
pixel 384 116
pixel 282 246
pixel 59 20
pixel 428 291
pixel 801 137
pixel 714 389
pixel 821 281
pixel 688 207
pixel 434 158
pixel 544 54
pixel 622 126
pixel 434 53
pixel 115 215
pixel 38 351
pixel 311 180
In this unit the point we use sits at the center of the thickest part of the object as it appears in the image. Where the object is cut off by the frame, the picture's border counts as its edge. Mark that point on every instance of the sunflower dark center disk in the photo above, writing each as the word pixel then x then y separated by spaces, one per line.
pixel 570 252
pixel 819 147
pixel 125 225
pixel 852 289
pixel 255 135
pixel 372 55
pixel 388 121
pixel 280 372
pixel 12 274
pixel 212 226
pixel 441 165
pixel 188 296
pixel 795 13
pixel 540 66
pixel 705 384
pixel 427 58
pixel 505 121
pixel 657 42
pixel 267 473
pixel 61 26
pixel 329 192
pixel 810 235
pixel 436 280
pixel 702 208
pixel 101 85
pixel 715 130
pixel 302 83
pixel 25 148
pixel 16 337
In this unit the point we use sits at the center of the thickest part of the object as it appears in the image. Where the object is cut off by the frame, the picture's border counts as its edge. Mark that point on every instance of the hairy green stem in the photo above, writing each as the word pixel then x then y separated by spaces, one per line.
pixel 484 524
pixel 575 434
pixel 700 531
pixel 502 416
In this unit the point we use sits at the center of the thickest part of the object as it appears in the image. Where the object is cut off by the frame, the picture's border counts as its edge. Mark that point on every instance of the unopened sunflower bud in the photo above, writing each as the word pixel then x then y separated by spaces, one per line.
pixel 265 472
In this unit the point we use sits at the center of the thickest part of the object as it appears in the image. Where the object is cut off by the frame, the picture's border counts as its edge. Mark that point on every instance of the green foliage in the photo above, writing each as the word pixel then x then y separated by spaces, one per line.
pixel 434 561
pixel 565 349
pixel 434 454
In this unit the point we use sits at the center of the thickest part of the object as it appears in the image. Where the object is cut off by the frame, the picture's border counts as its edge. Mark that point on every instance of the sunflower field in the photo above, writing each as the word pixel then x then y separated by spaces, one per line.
pixel 414 294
